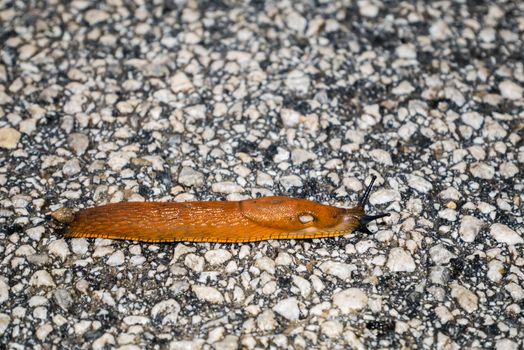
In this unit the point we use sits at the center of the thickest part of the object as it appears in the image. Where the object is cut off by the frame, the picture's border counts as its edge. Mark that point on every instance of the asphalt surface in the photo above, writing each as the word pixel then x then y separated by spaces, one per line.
pixel 176 101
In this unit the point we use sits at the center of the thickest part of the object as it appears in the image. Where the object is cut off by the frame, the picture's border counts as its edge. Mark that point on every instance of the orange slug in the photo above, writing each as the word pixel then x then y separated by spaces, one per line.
pixel 228 222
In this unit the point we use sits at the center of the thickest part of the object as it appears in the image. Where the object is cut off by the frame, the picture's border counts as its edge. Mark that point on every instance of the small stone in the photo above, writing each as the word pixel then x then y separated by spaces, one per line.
pixel 96 16
pixel 290 118
pixel 440 255
pixel 503 234
pixel 368 9
pixel 71 167
pixel 482 170
pixel 63 298
pixel 78 143
pixel 9 137
pixel 4 323
pixel 35 233
pixel 217 256
pixel 266 264
pixel 116 259
pixel 331 329
pixel 506 344
pixel 508 169
pixel 288 308
pixel 407 51
pixel 450 193
pixel 135 319
pixel 181 83
pixel 194 262
pixel 384 196
pixel 298 81
pixel 209 294
pixel 516 291
pixel 473 119
pixel 290 181
pixel 399 260
pixel 495 270
pixel 419 183
pixel 470 226
pixel 266 321
pixel 350 300
pixel 510 90
pixel 440 30
pixel 226 187
pixel 42 278
pixel 296 22
pixel 299 156
pixel 404 88
pixel 27 126
pixel 190 177
pixel 303 285
pixel 168 310
pixel 4 291
pixel 381 156
pixel 27 51
pixel 465 298
pixel 79 246
pixel 59 248
pixel 337 269
pixel 186 344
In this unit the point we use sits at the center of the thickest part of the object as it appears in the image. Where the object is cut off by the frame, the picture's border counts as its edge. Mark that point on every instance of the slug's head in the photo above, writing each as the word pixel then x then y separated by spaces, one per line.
pixel 305 218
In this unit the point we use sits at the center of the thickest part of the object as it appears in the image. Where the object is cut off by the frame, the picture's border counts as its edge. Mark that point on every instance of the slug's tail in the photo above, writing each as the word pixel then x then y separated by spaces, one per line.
pixel 366 219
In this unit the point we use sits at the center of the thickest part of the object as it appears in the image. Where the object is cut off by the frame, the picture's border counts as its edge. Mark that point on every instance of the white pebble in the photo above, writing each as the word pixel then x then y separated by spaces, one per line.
pixel 473 119
pixel 419 183
pixel 78 143
pixel 35 233
pixel 226 187
pixel 337 269
pixel 404 88
pixel 116 259
pixel 288 308
pixel 266 264
pixel 217 256
pixel 4 323
pixel 190 177
pixel 42 278
pixel 266 320
pixel 381 156
pixel 465 298
pixel 470 226
pixel 59 248
pixel 290 181
pixel 181 83
pixel 209 294
pixel 298 81
pixel 299 156
pixel 350 300
pixel 289 117
pixel 506 344
pixel 194 262
pixel 440 255
pixel 503 234
pixel 4 291
pixel 9 137
pixel 79 246
pixel 495 270
pixel 331 329
pixel 399 260
pixel 508 169
pixel 510 90
pixel 168 310
pixel 516 291
pixel 303 285
pixel 482 170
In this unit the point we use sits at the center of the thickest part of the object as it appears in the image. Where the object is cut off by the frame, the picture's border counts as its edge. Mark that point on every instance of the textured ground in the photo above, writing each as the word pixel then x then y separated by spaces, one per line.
pixel 174 100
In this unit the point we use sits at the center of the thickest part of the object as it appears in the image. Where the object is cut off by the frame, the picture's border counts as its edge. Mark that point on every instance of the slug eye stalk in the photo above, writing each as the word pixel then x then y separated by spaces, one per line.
pixel 366 219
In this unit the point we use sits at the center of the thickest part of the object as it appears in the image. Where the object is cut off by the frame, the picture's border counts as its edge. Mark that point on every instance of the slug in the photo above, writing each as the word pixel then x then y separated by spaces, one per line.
pixel 218 221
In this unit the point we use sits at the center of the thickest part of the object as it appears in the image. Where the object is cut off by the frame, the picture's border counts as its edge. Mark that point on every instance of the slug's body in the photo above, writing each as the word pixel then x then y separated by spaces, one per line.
pixel 231 222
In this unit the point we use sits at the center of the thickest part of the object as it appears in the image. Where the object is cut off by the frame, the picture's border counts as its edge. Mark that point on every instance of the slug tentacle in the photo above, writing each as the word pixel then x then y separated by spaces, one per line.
pixel 366 219
pixel 227 222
